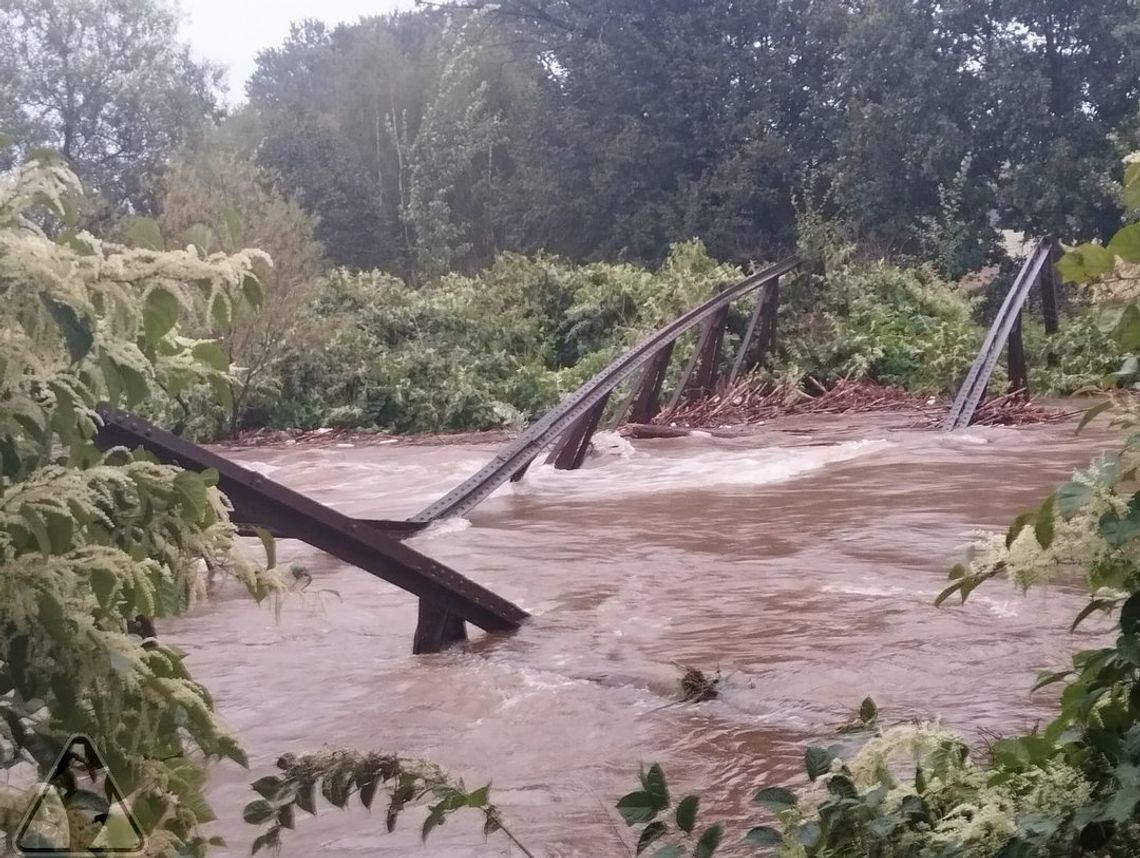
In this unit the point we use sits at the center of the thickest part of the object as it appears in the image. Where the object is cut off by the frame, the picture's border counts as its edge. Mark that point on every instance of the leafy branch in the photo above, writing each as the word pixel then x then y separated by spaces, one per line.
pixel 341 774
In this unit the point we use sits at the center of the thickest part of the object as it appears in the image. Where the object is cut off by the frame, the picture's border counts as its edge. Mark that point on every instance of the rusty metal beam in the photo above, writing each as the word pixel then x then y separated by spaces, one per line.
pixel 645 401
pixel 1018 367
pixel 974 387
pixel 768 331
pixel 571 451
pixel 753 325
pixel 261 502
pixel 1050 283
pixel 700 374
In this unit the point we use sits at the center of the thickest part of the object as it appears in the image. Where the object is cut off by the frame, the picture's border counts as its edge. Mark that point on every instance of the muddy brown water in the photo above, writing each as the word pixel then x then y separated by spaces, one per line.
pixel 803 563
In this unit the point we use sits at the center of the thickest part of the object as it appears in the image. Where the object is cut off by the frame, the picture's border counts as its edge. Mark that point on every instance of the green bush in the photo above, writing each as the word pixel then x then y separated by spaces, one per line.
pixel 896 326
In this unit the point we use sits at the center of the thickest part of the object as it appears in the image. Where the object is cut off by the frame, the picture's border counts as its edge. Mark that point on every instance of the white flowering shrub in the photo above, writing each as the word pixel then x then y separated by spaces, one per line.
pixel 90 541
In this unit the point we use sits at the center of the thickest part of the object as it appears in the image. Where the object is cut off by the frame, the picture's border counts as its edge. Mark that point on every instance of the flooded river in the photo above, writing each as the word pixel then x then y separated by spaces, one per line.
pixel 803 564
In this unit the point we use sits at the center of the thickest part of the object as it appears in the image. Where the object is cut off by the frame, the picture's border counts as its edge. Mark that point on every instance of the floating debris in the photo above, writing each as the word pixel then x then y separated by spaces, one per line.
pixel 755 400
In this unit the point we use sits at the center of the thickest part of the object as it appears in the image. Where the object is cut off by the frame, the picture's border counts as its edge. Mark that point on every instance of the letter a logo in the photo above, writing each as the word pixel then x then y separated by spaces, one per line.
pixel 80 810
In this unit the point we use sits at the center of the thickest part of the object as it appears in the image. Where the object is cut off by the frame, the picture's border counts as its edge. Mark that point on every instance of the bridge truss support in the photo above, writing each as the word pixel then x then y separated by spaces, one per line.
pixel 1040 270
pixel 513 460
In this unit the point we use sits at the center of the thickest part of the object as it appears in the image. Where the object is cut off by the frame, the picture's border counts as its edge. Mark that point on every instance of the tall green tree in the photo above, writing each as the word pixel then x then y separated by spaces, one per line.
pixel 1062 84
pixel 107 83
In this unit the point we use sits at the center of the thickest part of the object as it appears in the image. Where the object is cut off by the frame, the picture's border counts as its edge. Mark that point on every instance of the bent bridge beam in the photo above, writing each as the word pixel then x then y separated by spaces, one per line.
pixel 447 599
pixel 516 457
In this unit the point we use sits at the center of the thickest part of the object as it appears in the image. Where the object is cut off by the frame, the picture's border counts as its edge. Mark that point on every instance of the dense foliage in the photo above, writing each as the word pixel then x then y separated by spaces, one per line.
pixel 107 84
pixel 600 129
pixel 91 540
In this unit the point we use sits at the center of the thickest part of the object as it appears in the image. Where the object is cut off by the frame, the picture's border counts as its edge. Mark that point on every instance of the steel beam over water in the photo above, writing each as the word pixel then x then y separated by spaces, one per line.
pixel 447 598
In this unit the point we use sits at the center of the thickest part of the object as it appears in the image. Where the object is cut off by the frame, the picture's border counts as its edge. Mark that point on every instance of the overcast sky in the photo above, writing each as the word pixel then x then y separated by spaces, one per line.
pixel 231 32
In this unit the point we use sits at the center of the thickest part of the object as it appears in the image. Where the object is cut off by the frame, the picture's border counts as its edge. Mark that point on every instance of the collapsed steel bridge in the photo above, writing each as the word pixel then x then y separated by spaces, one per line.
pixel 447 599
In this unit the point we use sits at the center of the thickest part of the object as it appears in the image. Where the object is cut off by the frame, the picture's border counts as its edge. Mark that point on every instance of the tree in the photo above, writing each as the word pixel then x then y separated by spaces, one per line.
pixel 1063 78
pixel 106 83
pixel 909 98
pixel 342 108
pixel 90 540
pixel 214 197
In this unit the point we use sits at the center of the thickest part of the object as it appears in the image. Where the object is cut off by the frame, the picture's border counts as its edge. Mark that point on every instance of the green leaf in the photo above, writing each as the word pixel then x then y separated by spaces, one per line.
pixel 841 786
pixel 808 834
pixel 367 793
pixel 221 311
pixel 1091 415
pixel 709 841
pixel 267 787
pixel 1088 610
pixel 1126 333
pixel 1118 531
pixel 160 314
pixel 307 797
pixel 253 290
pixel 211 355
pixel 144 233
pixel 1071 498
pixel 1130 616
pixel 673 850
pixel 776 799
pixel 957 587
pixel 686 813
pixel 269 544
pixel 1043 525
pixel 637 807
pixel 651 834
pixel 192 490
pixel 77 333
pixel 478 798
pixel 285 816
pixel 762 835
pixel 1019 524
pixel 817 761
pixel 1126 243
pixel 258 812
pixel 1131 187
pixel 868 711
pixel 656 788
pixel 135 385
pixel 235 228
pixel 1085 263
pixel 35 525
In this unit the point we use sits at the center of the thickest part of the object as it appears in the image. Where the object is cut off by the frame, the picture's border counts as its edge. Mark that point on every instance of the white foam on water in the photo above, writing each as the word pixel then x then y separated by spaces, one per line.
pixel 263 468
pixel 709 469
pixel 866 590
pixel 442 527
pixel 612 444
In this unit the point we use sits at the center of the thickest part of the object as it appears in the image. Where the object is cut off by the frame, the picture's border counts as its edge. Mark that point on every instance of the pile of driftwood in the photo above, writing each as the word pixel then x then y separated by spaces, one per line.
pixel 753 401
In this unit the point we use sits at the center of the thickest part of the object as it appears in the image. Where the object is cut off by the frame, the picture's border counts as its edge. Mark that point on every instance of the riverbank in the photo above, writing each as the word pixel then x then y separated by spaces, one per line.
pixel 741 409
